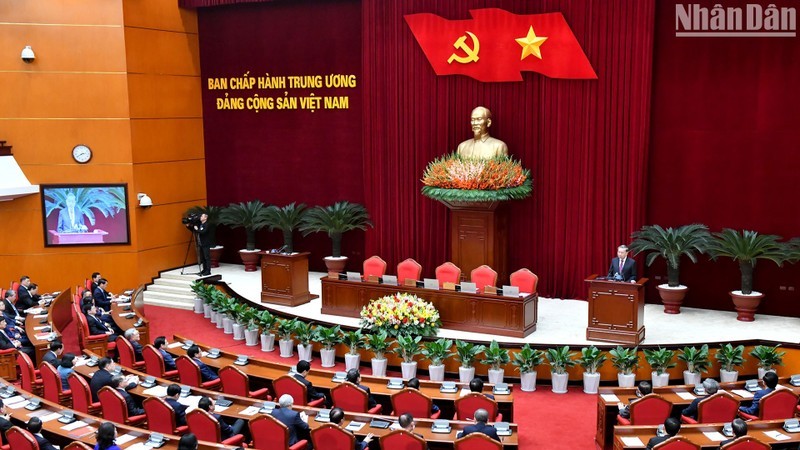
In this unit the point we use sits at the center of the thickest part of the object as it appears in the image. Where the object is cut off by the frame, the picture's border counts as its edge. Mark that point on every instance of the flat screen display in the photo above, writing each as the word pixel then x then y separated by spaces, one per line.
pixel 85 214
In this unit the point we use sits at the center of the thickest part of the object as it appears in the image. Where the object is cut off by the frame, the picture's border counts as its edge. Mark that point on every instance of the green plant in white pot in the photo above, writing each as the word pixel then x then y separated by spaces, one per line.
pixel 560 359
pixel 768 357
pixel 407 347
pixel 305 334
pixel 285 329
pixel 354 340
pixel 328 338
pixel 378 344
pixel 697 362
pixel 660 360
pixel 496 358
pixel 266 320
pixel 251 324
pixel 591 360
pixel 526 361
pixel 729 358
pixel 466 354
pixel 437 353
pixel 625 360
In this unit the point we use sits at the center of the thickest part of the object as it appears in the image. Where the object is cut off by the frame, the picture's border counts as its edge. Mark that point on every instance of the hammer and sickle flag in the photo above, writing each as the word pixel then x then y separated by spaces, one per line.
pixel 496 45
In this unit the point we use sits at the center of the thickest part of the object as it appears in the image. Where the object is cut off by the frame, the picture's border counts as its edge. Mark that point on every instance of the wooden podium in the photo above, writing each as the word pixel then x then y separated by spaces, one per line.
pixel 616 311
pixel 284 278
pixel 478 236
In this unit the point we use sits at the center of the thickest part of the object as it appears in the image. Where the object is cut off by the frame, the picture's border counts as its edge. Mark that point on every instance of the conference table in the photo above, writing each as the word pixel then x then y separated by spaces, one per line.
pixel 263 371
pixel 53 317
pixel 477 313
pixel 707 435
pixel 121 312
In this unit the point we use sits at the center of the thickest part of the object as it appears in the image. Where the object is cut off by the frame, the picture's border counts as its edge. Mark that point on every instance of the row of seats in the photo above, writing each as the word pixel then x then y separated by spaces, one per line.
pixel 448 272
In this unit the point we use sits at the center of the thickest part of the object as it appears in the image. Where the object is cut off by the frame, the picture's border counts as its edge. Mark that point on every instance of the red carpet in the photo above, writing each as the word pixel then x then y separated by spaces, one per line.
pixel 546 420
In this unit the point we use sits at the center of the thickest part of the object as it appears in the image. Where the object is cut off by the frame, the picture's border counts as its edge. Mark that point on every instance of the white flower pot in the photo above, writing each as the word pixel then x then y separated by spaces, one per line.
pixel 728 377
pixel 251 337
pixel 691 378
pixel 214 317
pixel 659 380
pixel 409 369
pixel 496 375
pixel 304 352
pixel 436 372
pixel 267 342
pixel 198 305
pixel 762 371
pixel 206 310
pixel 528 381
pixel 591 382
pixel 220 321
pixel 626 380
pixel 328 357
pixel 287 348
pixel 227 325
pixel 352 361
pixel 466 374
pixel 560 381
pixel 238 331
pixel 379 367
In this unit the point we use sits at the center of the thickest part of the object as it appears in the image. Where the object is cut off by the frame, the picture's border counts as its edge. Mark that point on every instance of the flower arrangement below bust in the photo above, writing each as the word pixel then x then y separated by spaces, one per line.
pixel 401 313
pixel 454 178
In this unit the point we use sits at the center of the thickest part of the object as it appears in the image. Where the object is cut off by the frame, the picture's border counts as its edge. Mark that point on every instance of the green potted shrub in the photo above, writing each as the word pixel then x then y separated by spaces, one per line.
pixel 747 247
pixel 335 220
pixel 239 319
pixel 526 361
pixel 202 298
pixel 285 328
pixel 560 359
pixel 378 344
pixel 729 358
pixel 228 311
pixel 768 357
pixel 591 360
pixel 250 319
pixel 304 333
pixel 466 353
pixel 671 244
pixel 213 213
pixel 407 347
pixel 437 353
pixel 328 337
pixel 266 320
pixel 696 361
pixel 625 360
pixel 218 300
pixel 354 340
pixel 252 217
pixel 496 358
pixel 660 360
pixel 286 219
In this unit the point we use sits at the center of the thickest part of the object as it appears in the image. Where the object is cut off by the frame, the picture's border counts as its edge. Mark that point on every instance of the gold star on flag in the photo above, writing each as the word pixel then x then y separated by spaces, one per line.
pixel 530 44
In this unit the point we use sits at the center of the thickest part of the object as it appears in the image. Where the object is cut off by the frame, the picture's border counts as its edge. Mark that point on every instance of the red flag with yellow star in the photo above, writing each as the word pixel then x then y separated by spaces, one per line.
pixel 496 45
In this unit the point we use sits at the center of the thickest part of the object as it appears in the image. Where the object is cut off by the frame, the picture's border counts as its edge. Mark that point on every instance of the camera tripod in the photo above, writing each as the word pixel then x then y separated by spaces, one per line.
pixel 195 240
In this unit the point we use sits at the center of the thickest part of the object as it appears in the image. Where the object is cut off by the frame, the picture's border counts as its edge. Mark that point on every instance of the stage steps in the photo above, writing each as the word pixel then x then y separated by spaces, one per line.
pixel 171 290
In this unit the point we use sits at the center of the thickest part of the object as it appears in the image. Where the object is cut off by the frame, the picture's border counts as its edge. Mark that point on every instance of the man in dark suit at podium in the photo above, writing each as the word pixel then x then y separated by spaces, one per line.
pixel 622 268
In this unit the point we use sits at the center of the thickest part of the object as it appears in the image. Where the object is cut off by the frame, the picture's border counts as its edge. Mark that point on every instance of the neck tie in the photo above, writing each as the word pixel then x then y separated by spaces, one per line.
pixel 621 263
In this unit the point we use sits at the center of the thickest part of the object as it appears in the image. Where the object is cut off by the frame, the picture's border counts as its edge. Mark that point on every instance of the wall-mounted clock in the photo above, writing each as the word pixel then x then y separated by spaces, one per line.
pixel 81 154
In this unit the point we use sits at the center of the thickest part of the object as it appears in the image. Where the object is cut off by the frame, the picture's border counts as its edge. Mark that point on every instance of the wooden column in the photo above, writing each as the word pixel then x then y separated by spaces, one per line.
pixel 479 235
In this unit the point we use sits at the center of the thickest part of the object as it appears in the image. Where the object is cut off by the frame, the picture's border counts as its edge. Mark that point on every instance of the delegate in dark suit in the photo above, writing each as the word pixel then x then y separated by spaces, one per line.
pixel 137 350
pixel 102 299
pixel 96 326
pixel 169 361
pixel 100 379
pixel 628 272
pixel 180 411
pixel 51 358
pixel 480 427
pixel 11 310
pixel 298 429
pixel 753 408
pixel 133 409
pixel 44 444
pixel 372 402
pixel 205 372
pixel 24 299
pixel 691 410
pixel 656 440
pixel 312 393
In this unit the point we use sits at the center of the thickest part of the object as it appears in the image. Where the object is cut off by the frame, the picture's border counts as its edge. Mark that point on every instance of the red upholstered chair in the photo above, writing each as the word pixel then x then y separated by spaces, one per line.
pixel 468 404
pixel 53 389
pixel 720 407
pixel 207 428
pixel 745 443
pixel 402 440
pixel 352 398
pixel 477 441
pixel 374 266
pixel 408 269
pixel 115 409
pixel 77 445
pixel 189 373
pixel 154 364
pixel 15 286
pixel 87 283
pixel 677 443
pixel 20 439
pixel 651 409
pixel 332 437
pixel 236 382
pixel 269 432
pixel 413 402
pixel 82 395
pixel 525 280
pixel 483 276
pixel 161 417
pixel 31 380
pixel 98 343
pixel 448 273
pixel 287 384
pixel 779 404
pixel 127 356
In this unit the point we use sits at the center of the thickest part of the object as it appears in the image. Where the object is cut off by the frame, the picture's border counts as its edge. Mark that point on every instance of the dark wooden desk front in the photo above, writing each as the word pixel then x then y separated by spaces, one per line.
pixel 477 313
pixel 694 433
pixel 54 316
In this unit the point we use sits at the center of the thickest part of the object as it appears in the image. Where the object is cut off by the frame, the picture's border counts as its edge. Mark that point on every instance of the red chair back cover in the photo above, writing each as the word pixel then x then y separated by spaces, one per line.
pixel 483 276
pixel 20 439
pixel 720 407
pixel 51 381
pixel 160 416
pixel 268 433
pixel 448 273
pixel 287 384
pixel 81 394
pixel 350 397
pixel 651 409
pixel 778 404
pixel 411 401
pixel 204 426
pixel 408 269
pixel 746 443
pixel 332 437
pixel 468 404
pixel 188 371
pixel 525 280
pixel 88 284
pixel 234 381
pixel 402 440
pixel 26 370
pixel 127 357
pixel 677 443
pixel 477 441
pixel 15 286
pixel 374 266
pixel 153 361
pixel 114 407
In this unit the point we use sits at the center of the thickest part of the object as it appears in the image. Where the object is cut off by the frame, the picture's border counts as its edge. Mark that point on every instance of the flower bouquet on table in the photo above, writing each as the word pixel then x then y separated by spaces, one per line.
pixel 401 313
pixel 455 178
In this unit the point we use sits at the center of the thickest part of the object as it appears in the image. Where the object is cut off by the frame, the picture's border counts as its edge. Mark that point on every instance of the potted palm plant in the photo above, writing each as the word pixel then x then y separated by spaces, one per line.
pixel 335 220
pixel 526 361
pixel 437 352
pixel 354 340
pixel 252 217
pixel 407 347
pixel 660 360
pixel 328 337
pixel 266 320
pixel 768 357
pixel 466 353
pixel 747 247
pixel 213 213
pixel 696 363
pixel 560 359
pixel 625 360
pixel 729 358
pixel 285 328
pixel 286 219
pixel 496 358
pixel 591 360
pixel 378 343
pixel 304 333
pixel 671 244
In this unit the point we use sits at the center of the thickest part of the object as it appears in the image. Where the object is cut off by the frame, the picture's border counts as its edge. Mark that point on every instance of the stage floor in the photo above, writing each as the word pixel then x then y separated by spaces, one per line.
pixel 560 321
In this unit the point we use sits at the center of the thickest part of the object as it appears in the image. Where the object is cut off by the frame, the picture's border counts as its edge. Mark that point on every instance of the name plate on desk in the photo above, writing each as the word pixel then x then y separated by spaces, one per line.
pixel 490 290
pixel 511 291
pixel 410 282
pixel 390 280
pixel 471 288
pixel 373 279
pixel 354 276
pixel 431 283
pixel 449 286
